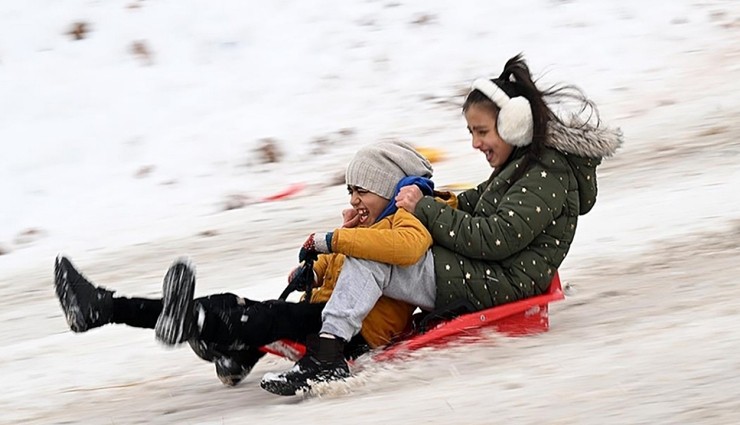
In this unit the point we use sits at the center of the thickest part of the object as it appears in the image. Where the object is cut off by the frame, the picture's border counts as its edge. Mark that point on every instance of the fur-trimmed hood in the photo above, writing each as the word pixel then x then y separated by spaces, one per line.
pixel 584 145
pixel 584 139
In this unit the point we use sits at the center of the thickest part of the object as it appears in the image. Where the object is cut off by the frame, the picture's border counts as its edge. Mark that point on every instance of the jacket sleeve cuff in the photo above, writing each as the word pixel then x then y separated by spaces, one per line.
pixel 322 242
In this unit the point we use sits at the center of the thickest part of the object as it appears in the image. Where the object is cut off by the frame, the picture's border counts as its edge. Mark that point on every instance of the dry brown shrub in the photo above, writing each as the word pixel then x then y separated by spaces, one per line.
pixel 79 30
pixel 269 151
pixel 141 50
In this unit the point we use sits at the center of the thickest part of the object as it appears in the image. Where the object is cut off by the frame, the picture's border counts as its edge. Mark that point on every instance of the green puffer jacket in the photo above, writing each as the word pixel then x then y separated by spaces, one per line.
pixel 505 241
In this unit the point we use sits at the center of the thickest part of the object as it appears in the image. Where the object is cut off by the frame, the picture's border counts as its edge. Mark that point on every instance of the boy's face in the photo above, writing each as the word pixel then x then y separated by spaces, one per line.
pixel 367 204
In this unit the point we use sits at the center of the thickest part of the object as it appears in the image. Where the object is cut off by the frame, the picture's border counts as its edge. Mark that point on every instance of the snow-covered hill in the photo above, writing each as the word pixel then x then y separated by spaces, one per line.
pixel 126 148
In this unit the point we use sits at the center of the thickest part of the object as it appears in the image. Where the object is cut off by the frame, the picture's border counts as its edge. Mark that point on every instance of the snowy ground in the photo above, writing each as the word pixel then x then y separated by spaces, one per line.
pixel 122 157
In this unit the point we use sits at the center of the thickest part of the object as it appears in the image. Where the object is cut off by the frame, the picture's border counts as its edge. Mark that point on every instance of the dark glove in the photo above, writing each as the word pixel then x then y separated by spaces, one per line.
pixel 317 243
pixel 300 279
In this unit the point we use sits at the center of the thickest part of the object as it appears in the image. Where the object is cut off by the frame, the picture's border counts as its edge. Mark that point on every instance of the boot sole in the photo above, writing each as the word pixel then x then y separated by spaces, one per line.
pixel 68 300
pixel 280 385
pixel 176 320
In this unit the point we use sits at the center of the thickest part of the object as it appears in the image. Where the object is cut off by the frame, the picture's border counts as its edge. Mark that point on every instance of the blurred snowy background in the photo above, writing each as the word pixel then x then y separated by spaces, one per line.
pixel 136 131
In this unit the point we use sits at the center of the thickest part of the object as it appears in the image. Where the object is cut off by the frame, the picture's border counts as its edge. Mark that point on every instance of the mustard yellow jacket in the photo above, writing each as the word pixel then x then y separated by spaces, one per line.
pixel 398 239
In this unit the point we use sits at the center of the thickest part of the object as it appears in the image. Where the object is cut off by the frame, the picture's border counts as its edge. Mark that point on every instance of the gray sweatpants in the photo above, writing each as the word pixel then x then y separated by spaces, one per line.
pixel 361 283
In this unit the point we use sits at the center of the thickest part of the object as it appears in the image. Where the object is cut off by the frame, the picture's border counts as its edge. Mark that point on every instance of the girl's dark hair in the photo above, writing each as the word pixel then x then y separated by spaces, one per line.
pixel 516 80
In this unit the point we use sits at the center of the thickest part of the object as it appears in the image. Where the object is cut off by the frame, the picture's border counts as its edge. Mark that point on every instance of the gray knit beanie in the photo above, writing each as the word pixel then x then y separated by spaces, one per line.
pixel 380 166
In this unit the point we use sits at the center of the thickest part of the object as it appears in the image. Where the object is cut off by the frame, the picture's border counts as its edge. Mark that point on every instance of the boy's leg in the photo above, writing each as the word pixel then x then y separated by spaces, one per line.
pixel 257 324
pixel 414 284
pixel 144 312
pixel 359 286
pixel 176 324
pixel 225 301
pixel 136 312
pixel 229 330
pixel 362 282
pixel 231 335
pixel 233 366
pixel 85 305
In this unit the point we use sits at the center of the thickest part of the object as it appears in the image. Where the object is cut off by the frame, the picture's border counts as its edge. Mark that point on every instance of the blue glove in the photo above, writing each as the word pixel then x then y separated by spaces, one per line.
pixel 317 243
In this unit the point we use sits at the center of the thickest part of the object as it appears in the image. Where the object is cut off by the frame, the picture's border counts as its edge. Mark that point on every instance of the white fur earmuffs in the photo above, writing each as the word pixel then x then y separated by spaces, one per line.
pixel 514 123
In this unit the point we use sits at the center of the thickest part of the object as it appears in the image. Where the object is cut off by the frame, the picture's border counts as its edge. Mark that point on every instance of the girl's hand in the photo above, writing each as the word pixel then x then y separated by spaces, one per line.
pixel 350 218
pixel 408 197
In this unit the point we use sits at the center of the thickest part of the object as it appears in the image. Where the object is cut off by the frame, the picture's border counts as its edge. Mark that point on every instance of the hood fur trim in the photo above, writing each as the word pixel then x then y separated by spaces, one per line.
pixel 584 139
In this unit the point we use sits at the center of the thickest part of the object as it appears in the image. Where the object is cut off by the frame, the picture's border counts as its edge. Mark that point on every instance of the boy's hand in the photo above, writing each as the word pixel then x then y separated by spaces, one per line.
pixel 293 273
pixel 408 197
pixel 350 218
pixel 306 280
pixel 317 243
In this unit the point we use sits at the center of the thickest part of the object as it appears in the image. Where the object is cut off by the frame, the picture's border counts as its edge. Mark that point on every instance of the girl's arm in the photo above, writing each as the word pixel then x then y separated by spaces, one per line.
pixel 467 200
pixel 502 229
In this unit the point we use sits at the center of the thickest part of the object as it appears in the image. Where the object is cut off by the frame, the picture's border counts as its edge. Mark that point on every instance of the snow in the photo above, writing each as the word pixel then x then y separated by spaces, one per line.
pixel 124 160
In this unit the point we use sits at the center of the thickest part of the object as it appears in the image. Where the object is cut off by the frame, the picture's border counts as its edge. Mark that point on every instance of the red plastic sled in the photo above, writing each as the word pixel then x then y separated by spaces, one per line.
pixel 525 317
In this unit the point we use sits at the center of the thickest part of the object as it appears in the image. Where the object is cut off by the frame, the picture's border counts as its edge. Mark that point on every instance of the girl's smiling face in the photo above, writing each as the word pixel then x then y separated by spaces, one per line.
pixel 367 204
pixel 482 126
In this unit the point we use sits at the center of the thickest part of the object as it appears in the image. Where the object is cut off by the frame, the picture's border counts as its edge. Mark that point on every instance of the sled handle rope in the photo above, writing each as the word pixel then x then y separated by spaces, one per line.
pixel 301 281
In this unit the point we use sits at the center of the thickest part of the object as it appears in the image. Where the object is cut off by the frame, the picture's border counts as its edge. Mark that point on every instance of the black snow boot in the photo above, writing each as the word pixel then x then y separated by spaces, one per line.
pixel 232 366
pixel 85 306
pixel 236 365
pixel 177 323
pixel 323 362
